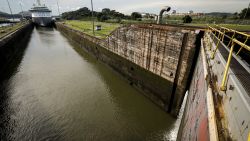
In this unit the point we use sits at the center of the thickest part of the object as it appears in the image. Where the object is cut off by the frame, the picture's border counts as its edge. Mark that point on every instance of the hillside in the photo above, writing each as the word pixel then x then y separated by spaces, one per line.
pixel 6 15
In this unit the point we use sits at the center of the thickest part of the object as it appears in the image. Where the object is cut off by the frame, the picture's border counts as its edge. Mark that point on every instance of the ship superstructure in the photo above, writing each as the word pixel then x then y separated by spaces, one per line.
pixel 41 14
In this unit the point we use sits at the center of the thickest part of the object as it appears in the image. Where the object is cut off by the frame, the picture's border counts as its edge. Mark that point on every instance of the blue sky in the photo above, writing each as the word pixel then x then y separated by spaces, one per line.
pixel 128 6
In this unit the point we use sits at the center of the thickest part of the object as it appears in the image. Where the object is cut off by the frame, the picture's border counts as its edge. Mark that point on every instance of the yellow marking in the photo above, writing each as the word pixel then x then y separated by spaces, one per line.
pixel 249 137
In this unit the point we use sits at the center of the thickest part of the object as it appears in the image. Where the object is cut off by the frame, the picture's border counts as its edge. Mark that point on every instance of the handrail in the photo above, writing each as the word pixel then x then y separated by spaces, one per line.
pixel 233 41
pixel 231 30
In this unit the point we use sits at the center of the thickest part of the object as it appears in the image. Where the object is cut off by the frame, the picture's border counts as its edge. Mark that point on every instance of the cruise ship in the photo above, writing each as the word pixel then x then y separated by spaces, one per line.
pixel 41 14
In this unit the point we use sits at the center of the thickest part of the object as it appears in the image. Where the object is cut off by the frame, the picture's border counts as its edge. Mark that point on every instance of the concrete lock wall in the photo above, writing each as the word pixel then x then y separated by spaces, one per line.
pixel 198 120
pixel 12 48
pixel 156 59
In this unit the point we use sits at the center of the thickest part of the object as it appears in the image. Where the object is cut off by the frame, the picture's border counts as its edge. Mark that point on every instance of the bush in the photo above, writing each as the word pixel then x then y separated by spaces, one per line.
pixel 187 19
pixel 104 18
pixel 245 13
pixel 136 15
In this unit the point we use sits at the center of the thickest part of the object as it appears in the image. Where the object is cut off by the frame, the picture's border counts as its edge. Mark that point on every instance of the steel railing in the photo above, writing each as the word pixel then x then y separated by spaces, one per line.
pixel 220 33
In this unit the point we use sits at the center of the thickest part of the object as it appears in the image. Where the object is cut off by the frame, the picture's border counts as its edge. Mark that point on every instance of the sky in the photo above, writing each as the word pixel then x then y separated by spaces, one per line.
pixel 129 6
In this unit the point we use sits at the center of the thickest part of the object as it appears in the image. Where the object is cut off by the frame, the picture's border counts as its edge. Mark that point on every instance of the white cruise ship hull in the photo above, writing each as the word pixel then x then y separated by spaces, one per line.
pixel 42 21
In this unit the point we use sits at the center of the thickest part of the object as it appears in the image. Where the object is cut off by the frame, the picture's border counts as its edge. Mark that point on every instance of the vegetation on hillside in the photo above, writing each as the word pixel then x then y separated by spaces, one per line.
pixel 6 15
pixel 136 15
pixel 105 15
pixel 111 16
pixel 244 14
pixel 85 13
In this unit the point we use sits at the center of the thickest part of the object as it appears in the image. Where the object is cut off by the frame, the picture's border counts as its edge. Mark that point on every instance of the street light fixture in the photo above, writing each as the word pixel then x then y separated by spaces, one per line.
pixel 10 10
pixel 93 22
pixel 21 10
pixel 247 11
pixel 58 8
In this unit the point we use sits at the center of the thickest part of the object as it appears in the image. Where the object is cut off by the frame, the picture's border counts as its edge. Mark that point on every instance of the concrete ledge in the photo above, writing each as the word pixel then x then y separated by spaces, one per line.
pixel 10 48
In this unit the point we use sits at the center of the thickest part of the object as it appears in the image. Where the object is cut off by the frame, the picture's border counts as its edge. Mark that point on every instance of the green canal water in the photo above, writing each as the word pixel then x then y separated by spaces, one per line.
pixel 59 92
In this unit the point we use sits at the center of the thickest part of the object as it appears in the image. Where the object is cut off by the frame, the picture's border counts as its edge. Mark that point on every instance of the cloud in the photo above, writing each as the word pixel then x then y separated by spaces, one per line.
pixel 186 5
pixel 128 6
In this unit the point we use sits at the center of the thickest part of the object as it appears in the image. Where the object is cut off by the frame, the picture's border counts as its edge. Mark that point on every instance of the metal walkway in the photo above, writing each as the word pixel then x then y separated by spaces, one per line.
pixel 240 72
pixel 240 69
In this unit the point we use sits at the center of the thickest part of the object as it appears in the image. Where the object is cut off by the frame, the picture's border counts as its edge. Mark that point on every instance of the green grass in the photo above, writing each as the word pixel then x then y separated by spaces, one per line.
pixel 8 29
pixel 231 26
pixel 107 28
pixel 86 27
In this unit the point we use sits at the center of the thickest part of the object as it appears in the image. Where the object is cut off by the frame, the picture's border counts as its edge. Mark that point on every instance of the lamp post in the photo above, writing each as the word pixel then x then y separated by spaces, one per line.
pixel 247 11
pixel 21 10
pixel 58 8
pixel 10 10
pixel 93 22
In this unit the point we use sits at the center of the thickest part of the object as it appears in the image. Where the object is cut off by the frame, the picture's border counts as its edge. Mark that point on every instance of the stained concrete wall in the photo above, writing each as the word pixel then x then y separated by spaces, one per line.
pixel 156 59
pixel 12 48
pixel 198 120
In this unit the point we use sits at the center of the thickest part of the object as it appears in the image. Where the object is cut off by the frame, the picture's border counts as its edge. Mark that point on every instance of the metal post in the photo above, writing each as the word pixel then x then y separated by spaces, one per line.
pixel 10 10
pixel 39 2
pixel 223 37
pixel 217 45
pixel 231 39
pixel 209 39
pixel 247 11
pixel 242 47
pixel 58 8
pixel 21 10
pixel 223 85
pixel 93 22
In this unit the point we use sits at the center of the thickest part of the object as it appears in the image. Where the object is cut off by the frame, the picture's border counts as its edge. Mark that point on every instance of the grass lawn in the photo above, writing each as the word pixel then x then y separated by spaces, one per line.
pixel 231 26
pixel 107 28
pixel 86 27
pixel 8 29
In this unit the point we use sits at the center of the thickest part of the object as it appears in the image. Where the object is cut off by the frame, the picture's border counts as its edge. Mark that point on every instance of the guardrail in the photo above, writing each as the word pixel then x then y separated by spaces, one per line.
pixel 220 33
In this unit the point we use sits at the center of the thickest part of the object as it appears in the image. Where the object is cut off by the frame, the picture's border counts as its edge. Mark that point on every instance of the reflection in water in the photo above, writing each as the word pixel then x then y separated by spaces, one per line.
pixel 8 68
pixel 61 93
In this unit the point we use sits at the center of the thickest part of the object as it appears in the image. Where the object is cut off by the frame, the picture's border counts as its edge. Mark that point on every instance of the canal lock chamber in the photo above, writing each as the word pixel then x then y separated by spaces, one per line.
pixel 57 91
pixel 130 68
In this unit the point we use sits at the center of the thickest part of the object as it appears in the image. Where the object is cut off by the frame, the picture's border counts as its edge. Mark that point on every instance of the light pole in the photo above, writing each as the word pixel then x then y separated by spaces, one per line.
pixel 93 22
pixel 10 10
pixel 247 11
pixel 21 10
pixel 58 8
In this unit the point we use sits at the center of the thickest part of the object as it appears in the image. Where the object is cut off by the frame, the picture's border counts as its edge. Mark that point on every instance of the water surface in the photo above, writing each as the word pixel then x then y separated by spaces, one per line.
pixel 61 93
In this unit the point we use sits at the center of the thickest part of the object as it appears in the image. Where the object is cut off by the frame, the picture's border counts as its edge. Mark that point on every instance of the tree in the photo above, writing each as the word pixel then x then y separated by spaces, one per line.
pixel 136 15
pixel 104 18
pixel 84 12
pixel 224 16
pixel 78 14
pixel 235 15
pixel 99 15
pixel 245 12
pixel 105 10
pixel 187 19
